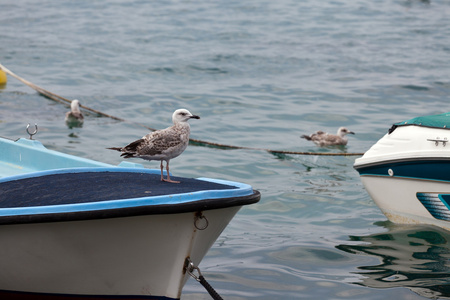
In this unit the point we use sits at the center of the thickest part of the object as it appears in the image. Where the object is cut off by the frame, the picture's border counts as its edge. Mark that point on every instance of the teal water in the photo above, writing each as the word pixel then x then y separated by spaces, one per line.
pixel 260 74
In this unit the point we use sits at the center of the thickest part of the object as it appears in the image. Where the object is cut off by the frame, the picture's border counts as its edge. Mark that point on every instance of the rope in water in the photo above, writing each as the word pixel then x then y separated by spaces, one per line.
pixel 197 142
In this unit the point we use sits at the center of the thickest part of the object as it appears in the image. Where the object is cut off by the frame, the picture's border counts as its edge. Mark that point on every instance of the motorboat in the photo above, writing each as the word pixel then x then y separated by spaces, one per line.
pixel 75 228
pixel 407 172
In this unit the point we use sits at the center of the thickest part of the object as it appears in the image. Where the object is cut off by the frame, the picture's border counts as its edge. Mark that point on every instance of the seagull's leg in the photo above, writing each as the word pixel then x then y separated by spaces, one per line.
pixel 162 170
pixel 168 176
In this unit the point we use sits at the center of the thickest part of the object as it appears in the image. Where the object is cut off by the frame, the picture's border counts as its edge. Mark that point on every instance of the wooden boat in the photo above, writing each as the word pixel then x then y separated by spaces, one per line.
pixel 74 228
pixel 407 171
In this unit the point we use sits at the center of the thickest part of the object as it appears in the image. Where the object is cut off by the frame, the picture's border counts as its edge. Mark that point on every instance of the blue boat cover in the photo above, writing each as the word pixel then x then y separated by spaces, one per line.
pixel 434 121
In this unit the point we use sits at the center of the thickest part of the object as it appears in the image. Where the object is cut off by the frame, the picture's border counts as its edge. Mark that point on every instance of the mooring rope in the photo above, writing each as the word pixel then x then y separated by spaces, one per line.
pixel 197 142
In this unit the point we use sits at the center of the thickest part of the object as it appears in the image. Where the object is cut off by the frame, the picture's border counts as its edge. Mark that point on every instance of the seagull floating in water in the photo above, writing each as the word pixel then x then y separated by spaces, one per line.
pixel 321 138
pixel 162 144
pixel 74 117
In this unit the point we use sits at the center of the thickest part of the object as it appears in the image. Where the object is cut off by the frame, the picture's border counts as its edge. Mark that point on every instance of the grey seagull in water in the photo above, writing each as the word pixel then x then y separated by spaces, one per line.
pixel 321 138
pixel 74 117
pixel 162 145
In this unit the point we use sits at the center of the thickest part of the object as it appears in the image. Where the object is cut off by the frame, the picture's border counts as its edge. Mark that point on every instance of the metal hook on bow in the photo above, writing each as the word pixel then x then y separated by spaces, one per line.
pixel 32 133
pixel 189 267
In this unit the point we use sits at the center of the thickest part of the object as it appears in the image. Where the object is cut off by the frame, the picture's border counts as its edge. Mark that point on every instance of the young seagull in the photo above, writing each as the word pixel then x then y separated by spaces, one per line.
pixel 321 138
pixel 162 144
pixel 74 117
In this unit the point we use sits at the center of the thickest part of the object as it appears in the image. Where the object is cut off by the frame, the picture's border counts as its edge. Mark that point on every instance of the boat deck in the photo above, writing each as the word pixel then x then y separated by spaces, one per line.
pixel 93 193
pixel 42 185
pixel 85 187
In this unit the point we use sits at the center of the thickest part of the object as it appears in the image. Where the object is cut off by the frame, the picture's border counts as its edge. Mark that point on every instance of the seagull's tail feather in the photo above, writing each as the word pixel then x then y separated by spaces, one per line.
pixel 129 150
pixel 124 151
pixel 133 147
pixel 307 137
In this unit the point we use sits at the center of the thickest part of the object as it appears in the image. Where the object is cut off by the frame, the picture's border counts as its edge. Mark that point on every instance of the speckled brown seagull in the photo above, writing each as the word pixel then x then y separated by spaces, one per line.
pixel 162 144
pixel 321 138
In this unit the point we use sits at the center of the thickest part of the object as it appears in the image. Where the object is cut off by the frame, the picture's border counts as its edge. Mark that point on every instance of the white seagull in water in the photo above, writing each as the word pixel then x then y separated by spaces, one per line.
pixel 74 117
pixel 321 138
pixel 162 144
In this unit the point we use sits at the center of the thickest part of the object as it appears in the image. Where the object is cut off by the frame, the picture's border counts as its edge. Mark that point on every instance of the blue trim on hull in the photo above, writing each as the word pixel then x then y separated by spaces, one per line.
pixel 427 169
pixel 436 204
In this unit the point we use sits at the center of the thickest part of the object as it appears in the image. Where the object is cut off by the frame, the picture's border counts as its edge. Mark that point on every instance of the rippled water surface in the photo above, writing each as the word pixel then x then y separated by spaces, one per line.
pixel 260 74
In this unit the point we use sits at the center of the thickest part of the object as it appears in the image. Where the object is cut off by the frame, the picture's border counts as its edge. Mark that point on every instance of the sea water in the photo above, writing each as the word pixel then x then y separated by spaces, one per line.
pixel 260 74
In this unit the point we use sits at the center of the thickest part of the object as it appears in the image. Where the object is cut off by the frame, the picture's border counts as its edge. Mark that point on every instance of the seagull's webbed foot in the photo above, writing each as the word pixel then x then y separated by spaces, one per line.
pixel 169 180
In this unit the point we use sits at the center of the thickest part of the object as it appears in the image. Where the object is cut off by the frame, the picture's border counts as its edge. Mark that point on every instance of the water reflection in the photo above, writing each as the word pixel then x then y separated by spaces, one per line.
pixel 415 257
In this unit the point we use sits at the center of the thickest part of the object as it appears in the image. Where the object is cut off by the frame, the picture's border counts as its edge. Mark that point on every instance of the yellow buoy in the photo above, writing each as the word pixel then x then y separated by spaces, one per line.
pixel 3 78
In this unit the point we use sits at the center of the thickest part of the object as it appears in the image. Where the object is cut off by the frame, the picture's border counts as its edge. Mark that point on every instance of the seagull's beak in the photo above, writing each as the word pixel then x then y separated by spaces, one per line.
pixel 351 132
pixel 194 117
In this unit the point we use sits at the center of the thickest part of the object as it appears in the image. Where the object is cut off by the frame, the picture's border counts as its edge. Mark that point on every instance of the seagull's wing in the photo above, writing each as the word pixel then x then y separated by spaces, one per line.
pixel 332 139
pixel 159 141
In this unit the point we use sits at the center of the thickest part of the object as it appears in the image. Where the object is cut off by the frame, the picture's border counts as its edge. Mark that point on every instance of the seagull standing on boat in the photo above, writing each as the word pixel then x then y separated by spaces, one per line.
pixel 321 138
pixel 162 144
pixel 74 117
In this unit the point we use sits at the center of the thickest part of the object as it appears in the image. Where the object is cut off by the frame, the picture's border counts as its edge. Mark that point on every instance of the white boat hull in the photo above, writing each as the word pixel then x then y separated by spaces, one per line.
pixel 407 174
pixel 133 256
pixel 397 199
